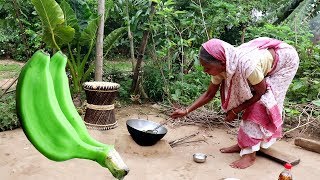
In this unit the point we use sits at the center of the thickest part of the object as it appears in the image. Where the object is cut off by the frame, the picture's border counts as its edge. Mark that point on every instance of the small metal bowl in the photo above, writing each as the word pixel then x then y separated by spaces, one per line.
pixel 199 157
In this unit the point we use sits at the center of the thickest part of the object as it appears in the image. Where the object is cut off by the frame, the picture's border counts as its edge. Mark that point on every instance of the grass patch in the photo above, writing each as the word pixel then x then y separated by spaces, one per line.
pixel 118 65
pixel 9 67
pixel 8 71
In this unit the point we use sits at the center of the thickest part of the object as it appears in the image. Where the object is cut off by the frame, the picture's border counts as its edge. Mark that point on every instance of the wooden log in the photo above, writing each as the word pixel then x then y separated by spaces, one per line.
pixel 308 144
pixel 279 156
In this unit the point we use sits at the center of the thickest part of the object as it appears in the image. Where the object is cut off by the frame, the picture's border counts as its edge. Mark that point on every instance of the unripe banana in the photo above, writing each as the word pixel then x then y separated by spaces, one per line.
pixel 61 87
pixel 45 125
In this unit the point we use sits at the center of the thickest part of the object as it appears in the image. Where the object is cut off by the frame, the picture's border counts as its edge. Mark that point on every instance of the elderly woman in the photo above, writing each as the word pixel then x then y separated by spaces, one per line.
pixel 253 79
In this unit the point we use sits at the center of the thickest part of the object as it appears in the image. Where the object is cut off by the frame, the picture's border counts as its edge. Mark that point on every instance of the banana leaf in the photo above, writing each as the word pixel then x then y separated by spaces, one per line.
pixel 70 18
pixel 88 35
pixel 109 41
pixel 52 18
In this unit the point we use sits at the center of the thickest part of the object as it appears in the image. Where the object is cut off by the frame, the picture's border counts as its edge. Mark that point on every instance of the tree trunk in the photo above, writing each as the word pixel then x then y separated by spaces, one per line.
pixel 136 74
pixel 243 33
pixel 284 12
pixel 99 42
pixel 130 37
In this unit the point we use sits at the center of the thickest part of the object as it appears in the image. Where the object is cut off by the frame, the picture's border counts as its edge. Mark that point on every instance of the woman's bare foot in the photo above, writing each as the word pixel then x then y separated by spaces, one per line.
pixel 245 161
pixel 231 149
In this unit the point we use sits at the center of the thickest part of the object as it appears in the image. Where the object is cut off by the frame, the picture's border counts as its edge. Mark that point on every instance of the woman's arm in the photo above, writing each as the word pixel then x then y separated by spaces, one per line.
pixel 259 90
pixel 203 99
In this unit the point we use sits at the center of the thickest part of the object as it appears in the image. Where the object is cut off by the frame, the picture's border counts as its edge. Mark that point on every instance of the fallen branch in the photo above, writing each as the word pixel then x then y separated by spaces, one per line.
pixel 179 143
pixel 172 143
pixel 6 90
pixel 308 118
pixel 206 118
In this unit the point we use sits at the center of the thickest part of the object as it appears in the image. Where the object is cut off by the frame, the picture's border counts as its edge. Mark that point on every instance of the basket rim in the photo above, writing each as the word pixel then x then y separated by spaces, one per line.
pixel 100 85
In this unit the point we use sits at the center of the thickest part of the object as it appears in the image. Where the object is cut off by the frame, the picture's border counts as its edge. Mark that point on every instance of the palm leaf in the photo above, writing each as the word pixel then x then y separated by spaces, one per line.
pixel 52 18
pixel 108 6
pixel 303 12
pixel 112 38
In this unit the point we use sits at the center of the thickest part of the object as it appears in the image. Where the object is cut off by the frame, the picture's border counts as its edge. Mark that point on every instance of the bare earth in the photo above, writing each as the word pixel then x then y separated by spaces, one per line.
pixel 20 160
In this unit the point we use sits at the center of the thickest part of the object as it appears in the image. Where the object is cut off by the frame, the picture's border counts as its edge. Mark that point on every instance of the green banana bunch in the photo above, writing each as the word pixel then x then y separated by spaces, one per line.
pixel 46 126
pixel 61 87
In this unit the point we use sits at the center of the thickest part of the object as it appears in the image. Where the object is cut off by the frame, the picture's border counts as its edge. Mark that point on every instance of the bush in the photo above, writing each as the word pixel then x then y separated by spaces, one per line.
pixel 119 72
pixel 9 118
pixel 193 85
pixel 12 44
pixel 153 83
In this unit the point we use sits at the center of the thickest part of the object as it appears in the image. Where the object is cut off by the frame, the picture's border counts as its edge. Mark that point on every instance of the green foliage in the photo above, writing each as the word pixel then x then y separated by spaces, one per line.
pixel 303 13
pixel 55 34
pixel 316 102
pixel 182 92
pixel 153 83
pixel 119 71
pixel 8 120
pixel 83 9
pixel 88 35
pixel 63 27
pixel 138 12
pixel 119 64
pixel 304 89
pixel 193 85
pixel 70 18
pixel 112 38
pixel 226 19
pixel 283 33
pixel 12 44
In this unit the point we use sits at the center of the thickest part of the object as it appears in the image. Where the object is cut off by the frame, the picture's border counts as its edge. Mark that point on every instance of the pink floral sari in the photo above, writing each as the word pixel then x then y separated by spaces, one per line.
pixel 262 121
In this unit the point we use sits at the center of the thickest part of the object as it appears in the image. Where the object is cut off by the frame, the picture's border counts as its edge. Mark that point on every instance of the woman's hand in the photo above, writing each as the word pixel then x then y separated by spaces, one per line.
pixel 179 113
pixel 231 115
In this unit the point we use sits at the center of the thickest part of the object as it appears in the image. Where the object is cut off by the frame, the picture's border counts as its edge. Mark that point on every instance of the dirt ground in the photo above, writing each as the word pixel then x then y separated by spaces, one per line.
pixel 20 160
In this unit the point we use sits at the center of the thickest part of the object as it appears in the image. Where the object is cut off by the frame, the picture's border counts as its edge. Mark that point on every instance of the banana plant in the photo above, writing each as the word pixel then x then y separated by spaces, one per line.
pixel 61 30
pixel 55 33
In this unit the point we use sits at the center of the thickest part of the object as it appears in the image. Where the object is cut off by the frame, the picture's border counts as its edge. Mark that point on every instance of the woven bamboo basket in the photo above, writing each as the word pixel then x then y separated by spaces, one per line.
pixel 100 108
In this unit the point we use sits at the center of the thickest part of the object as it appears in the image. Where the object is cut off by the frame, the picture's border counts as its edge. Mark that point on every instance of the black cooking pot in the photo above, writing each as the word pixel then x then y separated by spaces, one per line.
pixel 138 131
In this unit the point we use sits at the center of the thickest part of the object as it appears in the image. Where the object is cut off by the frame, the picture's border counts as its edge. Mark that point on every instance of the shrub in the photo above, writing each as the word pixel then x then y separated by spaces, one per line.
pixel 9 118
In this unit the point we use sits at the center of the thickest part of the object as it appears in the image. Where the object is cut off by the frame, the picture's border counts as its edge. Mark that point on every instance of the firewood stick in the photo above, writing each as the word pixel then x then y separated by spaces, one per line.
pixel 182 139
pixel 181 142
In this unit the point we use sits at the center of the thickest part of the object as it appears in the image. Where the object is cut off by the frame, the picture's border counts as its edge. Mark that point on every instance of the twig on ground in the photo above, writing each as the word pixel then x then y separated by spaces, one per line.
pixel 205 118
pixel 179 143
pixel 5 91
pixel 309 118
pixel 172 143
